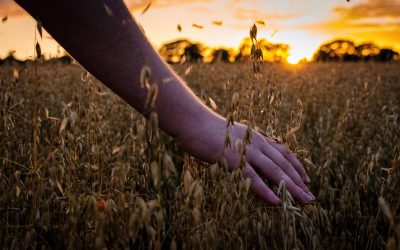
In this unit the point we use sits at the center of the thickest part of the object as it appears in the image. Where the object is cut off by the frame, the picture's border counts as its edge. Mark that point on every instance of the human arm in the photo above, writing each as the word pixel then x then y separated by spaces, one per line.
pixel 113 48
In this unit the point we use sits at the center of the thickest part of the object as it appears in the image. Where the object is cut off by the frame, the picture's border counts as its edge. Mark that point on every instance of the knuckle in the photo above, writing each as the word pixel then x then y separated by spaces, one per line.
pixel 286 179
pixel 286 164
pixel 277 171
pixel 249 173
pixel 286 152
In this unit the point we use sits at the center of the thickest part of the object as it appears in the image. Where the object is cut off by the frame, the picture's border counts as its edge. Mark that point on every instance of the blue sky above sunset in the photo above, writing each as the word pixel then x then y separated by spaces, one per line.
pixel 303 24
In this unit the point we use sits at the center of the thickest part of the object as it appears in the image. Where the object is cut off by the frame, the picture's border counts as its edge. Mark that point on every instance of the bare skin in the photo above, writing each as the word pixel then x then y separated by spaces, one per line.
pixel 114 49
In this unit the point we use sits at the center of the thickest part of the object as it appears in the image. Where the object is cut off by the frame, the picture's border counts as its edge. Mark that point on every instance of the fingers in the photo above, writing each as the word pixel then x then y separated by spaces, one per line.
pixel 292 159
pixel 258 186
pixel 268 169
pixel 285 165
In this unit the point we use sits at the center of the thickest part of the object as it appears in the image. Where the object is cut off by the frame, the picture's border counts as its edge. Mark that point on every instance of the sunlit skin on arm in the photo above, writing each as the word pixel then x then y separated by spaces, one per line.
pixel 114 49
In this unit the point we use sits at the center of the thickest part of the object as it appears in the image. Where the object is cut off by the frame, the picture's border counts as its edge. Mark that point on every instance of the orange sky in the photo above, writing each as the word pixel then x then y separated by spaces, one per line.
pixel 303 24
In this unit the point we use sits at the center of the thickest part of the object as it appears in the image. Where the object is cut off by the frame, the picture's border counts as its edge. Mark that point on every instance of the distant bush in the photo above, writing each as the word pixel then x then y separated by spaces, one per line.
pixel 346 50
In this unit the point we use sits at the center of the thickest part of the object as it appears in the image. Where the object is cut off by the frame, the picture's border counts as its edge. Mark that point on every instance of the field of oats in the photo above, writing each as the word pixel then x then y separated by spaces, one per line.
pixel 79 168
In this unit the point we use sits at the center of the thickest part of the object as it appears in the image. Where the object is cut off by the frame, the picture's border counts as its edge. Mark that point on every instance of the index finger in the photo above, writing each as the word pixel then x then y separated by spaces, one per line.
pixel 291 158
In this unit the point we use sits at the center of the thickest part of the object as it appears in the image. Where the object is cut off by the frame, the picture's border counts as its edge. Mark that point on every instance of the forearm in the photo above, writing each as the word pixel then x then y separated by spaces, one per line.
pixel 111 46
pixel 114 50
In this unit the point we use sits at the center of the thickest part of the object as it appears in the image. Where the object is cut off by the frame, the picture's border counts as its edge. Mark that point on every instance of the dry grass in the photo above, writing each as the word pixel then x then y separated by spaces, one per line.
pixel 98 175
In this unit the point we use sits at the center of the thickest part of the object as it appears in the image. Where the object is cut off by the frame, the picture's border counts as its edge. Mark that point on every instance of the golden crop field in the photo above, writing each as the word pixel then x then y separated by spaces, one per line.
pixel 79 168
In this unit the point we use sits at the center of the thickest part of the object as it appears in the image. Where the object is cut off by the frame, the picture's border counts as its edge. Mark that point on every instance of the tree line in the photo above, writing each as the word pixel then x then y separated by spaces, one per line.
pixel 185 50
pixel 337 50
pixel 348 51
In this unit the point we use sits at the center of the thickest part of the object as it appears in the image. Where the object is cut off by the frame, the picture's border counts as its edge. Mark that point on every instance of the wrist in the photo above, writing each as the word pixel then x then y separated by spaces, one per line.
pixel 204 138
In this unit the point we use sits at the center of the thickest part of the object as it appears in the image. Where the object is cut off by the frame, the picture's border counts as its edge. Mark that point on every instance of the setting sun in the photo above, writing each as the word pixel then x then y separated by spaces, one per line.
pixel 294 59
pixel 297 54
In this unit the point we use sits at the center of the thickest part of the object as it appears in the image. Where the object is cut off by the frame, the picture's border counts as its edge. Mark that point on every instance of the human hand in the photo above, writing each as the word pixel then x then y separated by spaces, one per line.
pixel 122 51
pixel 265 159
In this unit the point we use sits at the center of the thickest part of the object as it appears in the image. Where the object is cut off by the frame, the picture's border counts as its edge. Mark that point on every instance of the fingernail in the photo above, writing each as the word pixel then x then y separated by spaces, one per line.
pixel 307 197
pixel 312 196
pixel 306 178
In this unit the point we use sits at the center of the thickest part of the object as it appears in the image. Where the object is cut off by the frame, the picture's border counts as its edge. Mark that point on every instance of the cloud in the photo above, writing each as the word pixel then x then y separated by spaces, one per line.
pixel 367 15
pixel 370 20
pixel 250 14
pixel 371 9
pixel 137 5
pixel 10 8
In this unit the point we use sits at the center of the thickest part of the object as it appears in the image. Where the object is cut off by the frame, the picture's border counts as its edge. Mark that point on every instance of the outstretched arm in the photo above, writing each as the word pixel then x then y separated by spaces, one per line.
pixel 104 38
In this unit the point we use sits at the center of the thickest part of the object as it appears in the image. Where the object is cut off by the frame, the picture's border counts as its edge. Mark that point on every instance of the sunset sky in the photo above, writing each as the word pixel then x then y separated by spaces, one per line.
pixel 303 24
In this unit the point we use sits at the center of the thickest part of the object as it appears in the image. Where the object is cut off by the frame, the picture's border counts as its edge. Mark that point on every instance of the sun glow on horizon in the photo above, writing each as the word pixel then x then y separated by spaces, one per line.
pixel 293 60
pixel 303 49
pixel 297 55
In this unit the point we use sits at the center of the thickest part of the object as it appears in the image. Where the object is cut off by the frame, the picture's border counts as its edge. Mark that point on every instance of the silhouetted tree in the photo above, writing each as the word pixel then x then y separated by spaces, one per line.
pixel 65 59
pixel 240 56
pixel 10 59
pixel 367 51
pixel 173 52
pixel 387 55
pixel 339 50
pixel 345 50
pixel 192 53
pixel 221 55
pixel 272 52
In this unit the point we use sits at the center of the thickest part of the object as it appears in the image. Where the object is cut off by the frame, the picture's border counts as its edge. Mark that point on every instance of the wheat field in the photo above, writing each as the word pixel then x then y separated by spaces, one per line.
pixel 79 168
